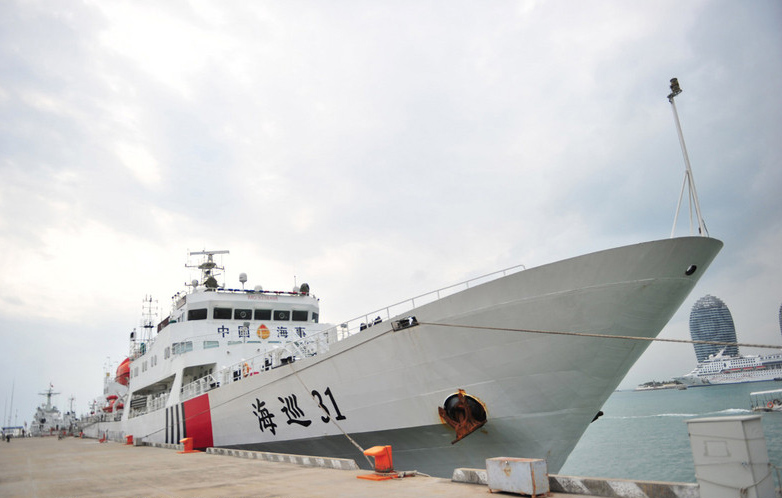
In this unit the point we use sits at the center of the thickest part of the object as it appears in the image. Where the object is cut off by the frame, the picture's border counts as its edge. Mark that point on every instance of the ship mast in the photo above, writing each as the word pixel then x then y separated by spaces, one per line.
pixel 208 269
pixel 149 313
pixel 689 180
pixel 49 393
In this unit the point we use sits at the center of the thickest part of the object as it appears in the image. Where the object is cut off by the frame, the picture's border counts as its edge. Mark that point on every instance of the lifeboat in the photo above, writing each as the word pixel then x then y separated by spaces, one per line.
pixel 123 372
pixel 110 400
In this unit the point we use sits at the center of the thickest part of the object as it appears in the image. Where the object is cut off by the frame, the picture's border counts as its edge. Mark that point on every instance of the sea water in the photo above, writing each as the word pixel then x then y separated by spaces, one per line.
pixel 643 434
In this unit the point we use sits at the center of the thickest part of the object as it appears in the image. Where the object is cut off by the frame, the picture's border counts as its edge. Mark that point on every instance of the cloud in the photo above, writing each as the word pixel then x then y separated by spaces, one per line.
pixel 140 162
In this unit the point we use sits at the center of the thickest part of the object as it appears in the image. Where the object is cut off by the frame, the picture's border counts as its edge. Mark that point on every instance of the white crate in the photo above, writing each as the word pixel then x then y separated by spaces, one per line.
pixel 730 456
pixel 527 476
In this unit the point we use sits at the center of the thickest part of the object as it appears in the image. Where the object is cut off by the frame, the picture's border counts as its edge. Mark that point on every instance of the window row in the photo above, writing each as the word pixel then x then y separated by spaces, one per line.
pixel 250 314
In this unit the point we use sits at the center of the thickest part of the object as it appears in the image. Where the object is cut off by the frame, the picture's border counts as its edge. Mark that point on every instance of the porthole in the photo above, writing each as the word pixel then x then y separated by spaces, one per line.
pixel 690 270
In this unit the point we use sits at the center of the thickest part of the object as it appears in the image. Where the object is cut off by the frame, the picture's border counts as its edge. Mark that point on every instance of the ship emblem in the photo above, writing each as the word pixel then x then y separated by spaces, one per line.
pixel 263 332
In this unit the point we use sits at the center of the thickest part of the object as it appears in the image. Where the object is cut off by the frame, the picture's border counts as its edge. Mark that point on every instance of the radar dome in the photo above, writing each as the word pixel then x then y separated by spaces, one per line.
pixel 243 277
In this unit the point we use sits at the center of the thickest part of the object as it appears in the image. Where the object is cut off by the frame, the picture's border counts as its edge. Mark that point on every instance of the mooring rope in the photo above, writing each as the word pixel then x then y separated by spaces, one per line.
pixel 605 336
pixel 331 418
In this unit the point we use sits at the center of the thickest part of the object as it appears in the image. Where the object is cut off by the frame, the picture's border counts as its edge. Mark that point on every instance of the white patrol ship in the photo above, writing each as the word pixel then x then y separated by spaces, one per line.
pixel 507 367
pixel 518 365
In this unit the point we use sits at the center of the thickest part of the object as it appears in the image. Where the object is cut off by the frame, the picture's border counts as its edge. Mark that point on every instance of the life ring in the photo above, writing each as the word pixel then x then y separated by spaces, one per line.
pixel 770 404
pixel 245 370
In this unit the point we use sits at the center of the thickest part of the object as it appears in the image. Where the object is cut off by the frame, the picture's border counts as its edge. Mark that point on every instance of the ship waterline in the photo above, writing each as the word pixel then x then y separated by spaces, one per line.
pixel 384 384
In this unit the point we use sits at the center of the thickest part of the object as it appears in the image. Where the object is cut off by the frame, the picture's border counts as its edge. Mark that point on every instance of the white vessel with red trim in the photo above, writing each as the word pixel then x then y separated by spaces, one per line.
pixel 255 369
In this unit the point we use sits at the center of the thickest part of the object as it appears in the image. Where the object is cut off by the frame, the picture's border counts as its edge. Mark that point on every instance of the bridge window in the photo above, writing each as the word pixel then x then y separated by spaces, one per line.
pixel 282 316
pixel 198 314
pixel 223 313
pixel 300 316
pixel 243 314
pixel 263 314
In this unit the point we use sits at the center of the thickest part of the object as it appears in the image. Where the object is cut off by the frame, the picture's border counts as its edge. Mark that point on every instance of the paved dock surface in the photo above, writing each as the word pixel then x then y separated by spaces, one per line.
pixel 48 467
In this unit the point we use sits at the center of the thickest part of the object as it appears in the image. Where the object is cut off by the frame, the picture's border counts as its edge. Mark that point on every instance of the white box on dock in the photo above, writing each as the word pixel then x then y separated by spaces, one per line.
pixel 527 476
pixel 731 457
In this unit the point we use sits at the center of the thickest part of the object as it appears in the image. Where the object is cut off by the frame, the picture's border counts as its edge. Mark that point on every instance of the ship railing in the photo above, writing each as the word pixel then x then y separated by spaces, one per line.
pixel 154 403
pixel 383 314
pixel 287 353
pixel 318 343
pixel 198 387
pixel 157 402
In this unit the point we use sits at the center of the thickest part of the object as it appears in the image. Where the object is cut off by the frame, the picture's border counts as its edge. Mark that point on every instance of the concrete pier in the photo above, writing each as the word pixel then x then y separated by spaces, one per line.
pixel 45 467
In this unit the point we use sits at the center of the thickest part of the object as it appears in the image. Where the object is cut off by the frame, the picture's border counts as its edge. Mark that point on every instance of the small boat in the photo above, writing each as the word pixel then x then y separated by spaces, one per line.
pixel 766 401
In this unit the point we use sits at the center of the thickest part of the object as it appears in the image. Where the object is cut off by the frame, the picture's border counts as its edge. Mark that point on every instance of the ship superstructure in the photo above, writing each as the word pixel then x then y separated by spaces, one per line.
pixel 208 339
pixel 47 420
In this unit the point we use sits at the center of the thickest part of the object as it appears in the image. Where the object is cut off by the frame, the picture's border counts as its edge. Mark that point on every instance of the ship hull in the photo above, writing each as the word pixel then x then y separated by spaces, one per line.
pixel 501 342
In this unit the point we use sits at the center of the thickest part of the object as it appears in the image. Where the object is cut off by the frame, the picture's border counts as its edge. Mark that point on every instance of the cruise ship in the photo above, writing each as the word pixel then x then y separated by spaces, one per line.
pixel 721 369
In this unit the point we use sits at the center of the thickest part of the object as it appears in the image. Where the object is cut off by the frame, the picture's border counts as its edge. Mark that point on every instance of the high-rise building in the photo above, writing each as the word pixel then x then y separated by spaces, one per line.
pixel 710 320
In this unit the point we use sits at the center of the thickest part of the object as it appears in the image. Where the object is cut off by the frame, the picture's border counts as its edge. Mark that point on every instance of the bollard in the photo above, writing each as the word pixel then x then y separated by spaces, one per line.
pixel 383 461
pixel 384 464
pixel 129 440
pixel 188 446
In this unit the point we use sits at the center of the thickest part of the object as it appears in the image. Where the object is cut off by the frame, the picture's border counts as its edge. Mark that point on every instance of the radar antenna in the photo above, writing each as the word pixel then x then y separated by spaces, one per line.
pixel 49 393
pixel 208 268
pixel 689 180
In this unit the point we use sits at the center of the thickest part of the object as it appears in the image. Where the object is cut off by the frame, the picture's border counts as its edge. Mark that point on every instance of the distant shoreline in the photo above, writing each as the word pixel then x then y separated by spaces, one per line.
pixel 657 386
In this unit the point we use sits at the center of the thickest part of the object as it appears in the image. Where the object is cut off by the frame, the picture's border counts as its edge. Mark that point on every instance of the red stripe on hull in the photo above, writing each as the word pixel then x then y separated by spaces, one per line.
pixel 198 420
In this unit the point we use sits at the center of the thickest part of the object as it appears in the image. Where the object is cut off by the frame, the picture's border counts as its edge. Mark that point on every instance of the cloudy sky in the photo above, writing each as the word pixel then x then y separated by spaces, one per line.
pixel 374 150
